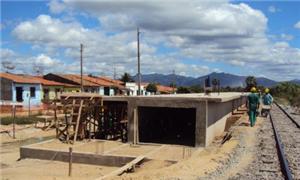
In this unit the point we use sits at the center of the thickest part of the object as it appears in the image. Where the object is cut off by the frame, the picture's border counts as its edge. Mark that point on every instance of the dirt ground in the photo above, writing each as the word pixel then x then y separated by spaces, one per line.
pixel 208 163
pixel 11 168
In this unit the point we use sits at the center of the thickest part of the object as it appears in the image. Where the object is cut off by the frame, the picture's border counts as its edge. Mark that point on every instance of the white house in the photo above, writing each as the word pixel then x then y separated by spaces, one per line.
pixel 134 89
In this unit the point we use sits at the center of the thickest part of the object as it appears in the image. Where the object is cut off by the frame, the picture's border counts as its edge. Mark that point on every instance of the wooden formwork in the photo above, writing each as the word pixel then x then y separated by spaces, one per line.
pixel 87 116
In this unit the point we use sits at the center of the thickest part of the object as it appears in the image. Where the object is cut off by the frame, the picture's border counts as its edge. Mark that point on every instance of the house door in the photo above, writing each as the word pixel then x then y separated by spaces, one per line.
pixel 19 94
pixel 46 94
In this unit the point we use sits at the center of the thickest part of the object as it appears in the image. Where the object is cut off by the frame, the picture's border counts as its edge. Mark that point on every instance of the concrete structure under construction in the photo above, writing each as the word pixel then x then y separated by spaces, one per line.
pixel 184 119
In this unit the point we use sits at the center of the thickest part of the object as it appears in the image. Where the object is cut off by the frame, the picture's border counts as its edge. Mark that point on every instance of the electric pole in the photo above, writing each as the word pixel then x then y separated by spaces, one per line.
pixel 115 74
pixel 81 81
pixel 174 81
pixel 139 65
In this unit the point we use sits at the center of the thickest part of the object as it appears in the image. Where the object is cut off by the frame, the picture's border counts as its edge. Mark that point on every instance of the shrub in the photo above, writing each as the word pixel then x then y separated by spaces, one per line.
pixel 19 120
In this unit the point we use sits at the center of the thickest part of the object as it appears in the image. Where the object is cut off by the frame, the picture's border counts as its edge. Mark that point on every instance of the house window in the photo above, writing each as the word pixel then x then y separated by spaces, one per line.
pixel 32 92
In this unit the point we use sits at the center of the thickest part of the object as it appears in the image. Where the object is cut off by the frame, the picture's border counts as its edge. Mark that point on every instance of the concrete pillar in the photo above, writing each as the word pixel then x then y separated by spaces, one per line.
pixel 201 124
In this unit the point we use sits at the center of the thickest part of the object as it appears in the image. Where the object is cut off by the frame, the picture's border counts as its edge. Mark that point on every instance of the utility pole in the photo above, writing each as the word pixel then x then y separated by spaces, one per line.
pixel 81 81
pixel 139 65
pixel 115 74
pixel 174 81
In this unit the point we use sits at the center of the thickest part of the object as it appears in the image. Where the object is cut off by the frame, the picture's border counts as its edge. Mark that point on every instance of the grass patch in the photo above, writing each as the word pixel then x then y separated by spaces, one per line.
pixel 20 120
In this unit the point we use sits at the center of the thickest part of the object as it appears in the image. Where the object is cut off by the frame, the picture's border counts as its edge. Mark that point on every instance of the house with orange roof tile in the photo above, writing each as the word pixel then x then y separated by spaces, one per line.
pixel 20 88
pixel 91 84
pixel 52 89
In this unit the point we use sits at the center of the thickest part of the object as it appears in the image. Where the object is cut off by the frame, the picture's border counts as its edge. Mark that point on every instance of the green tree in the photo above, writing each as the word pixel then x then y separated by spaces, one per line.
pixel 196 89
pixel 151 87
pixel 250 82
pixel 126 77
pixel 288 91
pixel 183 90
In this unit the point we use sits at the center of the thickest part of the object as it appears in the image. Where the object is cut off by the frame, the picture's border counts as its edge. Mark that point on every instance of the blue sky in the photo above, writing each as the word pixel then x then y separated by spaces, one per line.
pixel 193 38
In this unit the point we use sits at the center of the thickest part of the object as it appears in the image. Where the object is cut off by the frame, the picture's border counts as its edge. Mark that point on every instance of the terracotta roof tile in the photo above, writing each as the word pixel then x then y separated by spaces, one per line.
pixel 19 78
pixel 46 82
pixel 161 88
pixel 76 79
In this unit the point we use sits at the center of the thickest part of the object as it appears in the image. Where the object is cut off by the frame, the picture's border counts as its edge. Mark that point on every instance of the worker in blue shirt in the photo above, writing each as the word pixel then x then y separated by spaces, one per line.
pixel 267 98
pixel 267 101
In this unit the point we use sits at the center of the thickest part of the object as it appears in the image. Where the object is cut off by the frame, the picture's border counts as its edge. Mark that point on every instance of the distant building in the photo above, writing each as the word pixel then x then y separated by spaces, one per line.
pixel 91 84
pixel 133 89
pixel 52 89
pixel 162 89
pixel 20 88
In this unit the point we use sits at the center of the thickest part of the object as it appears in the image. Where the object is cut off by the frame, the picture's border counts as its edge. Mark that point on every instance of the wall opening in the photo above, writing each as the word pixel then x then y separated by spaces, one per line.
pixel 19 94
pixel 167 125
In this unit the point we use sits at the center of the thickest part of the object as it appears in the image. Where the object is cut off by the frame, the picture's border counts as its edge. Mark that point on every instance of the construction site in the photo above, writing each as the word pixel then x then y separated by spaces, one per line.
pixel 123 134
pixel 137 90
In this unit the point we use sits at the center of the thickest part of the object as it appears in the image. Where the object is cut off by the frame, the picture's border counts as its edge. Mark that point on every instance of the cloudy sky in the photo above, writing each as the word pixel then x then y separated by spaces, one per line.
pixel 192 37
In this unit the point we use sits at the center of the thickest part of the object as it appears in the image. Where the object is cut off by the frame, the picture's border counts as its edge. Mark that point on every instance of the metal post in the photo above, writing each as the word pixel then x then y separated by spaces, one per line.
pixel 81 81
pixel 174 80
pixel 29 104
pixel 14 121
pixel 70 160
pixel 138 57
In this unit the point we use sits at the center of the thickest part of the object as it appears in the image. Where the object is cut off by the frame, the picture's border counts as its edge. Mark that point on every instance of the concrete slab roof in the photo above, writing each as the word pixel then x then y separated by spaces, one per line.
pixel 213 97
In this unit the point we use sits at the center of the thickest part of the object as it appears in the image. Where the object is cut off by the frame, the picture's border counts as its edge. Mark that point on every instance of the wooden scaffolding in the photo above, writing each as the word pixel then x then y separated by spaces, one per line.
pixel 88 116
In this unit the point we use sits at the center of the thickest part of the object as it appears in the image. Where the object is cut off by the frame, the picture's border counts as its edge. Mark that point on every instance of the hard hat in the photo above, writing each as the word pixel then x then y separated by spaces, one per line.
pixel 253 89
pixel 267 90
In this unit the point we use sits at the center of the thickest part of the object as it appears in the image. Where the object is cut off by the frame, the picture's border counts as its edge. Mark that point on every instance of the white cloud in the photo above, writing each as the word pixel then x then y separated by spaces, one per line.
pixel 56 6
pixel 286 37
pixel 273 9
pixel 27 64
pixel 297 25
pixel 216 31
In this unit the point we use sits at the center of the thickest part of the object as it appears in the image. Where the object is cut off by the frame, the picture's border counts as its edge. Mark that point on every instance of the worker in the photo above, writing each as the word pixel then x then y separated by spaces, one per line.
pixel 253 105
pixel 267 100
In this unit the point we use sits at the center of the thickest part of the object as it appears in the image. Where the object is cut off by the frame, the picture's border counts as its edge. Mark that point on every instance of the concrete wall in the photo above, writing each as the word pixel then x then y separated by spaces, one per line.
pixel 34 101
pixel 200 107
pixel 217 116
pixel 52 91
pixel 72 89
pixel 211 114
pixel 134 89
pixel 6 89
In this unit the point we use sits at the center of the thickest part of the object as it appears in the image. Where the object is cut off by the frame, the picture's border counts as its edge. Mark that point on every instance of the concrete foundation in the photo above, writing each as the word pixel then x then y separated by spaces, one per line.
pixel 211 113
pixel 101 152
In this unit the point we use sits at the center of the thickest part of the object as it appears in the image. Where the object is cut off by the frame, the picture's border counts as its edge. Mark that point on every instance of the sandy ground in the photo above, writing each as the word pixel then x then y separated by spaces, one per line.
pixel 202 163
pixel 207 163
pixel 11 168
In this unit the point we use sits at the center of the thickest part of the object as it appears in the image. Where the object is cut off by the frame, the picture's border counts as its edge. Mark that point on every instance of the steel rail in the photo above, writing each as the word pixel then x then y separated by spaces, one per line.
pixel 281 154
pixel 288 115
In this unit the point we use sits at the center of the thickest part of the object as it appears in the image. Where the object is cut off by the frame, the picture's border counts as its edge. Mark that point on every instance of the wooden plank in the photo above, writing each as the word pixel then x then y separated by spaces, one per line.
pixel 130 165
pixel 121 170
pixel 78 121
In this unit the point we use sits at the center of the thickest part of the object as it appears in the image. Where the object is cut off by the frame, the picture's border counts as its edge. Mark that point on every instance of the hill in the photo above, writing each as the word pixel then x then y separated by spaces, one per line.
pixel 226 79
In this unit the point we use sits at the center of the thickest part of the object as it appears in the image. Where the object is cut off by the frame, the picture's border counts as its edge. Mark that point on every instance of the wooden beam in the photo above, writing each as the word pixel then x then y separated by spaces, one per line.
pixel 130 165
pixel 78 121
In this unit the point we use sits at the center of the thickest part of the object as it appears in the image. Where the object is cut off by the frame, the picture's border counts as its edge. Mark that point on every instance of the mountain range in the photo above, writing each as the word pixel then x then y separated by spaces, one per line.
pixel 226 79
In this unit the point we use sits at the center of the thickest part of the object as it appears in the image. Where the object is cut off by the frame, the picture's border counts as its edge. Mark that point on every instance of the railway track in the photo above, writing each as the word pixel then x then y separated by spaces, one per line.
pixel 288 135
pixel 277 153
